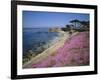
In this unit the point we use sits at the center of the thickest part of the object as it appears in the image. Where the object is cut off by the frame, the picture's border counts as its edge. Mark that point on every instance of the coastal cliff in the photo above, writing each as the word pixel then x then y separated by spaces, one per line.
pixel 74 52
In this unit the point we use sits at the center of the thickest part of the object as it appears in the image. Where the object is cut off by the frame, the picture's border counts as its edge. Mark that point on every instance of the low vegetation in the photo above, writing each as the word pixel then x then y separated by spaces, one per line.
pixel 74 26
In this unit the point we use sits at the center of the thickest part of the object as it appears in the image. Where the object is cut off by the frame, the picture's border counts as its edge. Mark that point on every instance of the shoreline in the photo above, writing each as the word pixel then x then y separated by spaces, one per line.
pixel 49 51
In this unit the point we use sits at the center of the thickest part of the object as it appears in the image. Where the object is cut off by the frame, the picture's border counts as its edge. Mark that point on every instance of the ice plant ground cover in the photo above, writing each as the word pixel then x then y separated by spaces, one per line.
pixel 75 52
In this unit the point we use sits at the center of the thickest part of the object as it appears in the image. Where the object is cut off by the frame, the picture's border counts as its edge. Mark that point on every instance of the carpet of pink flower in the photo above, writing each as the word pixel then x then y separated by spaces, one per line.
pixel 75 52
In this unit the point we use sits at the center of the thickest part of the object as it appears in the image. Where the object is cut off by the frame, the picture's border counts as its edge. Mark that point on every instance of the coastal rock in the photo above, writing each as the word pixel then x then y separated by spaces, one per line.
pixel 54 29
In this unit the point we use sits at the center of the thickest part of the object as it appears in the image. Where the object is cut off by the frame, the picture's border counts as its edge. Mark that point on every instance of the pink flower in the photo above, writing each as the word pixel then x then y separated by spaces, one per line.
pixel 75 51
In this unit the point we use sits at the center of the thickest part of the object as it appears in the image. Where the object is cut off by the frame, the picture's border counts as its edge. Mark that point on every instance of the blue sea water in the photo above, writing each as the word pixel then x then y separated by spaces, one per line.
pixel 33 38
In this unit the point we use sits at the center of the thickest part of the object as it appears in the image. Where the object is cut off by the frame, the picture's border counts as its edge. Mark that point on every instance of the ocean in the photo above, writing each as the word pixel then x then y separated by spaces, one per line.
pixel 36 38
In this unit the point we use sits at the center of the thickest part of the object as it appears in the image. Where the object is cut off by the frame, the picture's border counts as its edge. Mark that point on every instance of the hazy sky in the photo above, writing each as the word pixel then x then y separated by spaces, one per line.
pixel 33 19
